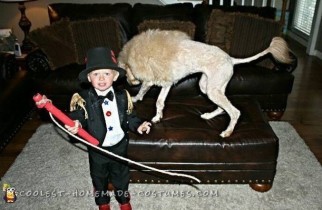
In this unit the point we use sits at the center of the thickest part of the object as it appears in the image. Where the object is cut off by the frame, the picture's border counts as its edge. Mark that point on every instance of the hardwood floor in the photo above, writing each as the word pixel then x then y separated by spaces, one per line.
pixel 304 110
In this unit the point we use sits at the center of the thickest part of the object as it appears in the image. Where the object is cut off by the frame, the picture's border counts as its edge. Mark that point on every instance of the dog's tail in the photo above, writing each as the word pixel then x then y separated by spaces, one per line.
pixel 278 48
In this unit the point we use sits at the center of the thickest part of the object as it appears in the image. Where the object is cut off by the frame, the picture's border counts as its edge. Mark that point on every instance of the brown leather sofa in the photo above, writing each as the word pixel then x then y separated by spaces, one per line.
pixel 182 141
pixel 77 27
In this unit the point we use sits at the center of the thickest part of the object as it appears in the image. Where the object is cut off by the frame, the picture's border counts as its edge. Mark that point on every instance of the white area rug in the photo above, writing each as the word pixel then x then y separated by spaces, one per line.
pixel 51 173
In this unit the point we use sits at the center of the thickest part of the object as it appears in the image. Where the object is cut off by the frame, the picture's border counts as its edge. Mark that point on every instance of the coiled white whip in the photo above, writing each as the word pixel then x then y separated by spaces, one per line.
pixel 123 158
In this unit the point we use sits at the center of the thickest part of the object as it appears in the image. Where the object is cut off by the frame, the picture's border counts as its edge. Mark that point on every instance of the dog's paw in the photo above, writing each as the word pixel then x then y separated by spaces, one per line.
pixel 156 119
pixel 206 116
pixel 136 99
pixel 226 133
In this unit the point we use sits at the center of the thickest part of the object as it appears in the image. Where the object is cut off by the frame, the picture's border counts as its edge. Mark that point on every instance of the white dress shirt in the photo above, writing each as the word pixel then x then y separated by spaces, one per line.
pixel 114 133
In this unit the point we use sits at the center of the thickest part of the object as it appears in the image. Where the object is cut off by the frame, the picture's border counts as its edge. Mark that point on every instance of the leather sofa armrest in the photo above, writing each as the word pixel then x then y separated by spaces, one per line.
pixel 8 65
pixel 36 61
pixel 278 66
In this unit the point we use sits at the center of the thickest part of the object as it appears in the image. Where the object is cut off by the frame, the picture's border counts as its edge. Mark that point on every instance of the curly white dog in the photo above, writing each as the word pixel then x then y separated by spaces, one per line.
pixel 162 58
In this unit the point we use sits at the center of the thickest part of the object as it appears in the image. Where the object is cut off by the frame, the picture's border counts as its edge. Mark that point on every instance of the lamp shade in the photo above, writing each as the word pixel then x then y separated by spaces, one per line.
pixel 15 1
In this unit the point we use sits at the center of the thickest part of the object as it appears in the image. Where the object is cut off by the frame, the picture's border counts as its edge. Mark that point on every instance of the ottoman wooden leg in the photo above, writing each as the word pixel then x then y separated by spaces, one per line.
pixel 261 187
pixel 275 115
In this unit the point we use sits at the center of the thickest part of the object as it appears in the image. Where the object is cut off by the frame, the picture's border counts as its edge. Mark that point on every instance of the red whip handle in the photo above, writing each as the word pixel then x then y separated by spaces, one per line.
pixel 64 119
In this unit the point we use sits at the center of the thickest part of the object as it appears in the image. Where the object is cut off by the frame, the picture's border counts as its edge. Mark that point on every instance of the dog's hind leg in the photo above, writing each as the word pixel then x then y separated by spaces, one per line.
pixel 160 103
pixel 213 114
pixel 143 90
pixel 219 98
pixel 203 82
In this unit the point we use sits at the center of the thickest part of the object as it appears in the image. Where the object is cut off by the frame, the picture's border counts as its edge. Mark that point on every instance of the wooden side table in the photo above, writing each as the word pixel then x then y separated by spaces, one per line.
pixel 21 61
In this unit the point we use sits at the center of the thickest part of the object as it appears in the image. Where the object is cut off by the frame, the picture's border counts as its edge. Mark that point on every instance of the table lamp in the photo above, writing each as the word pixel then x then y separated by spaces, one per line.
pixel 24 23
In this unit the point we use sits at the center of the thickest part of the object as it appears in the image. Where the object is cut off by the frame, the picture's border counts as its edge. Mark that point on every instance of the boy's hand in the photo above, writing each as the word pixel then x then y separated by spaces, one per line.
pixel 75 128
pixel 144 127
pixel 44 100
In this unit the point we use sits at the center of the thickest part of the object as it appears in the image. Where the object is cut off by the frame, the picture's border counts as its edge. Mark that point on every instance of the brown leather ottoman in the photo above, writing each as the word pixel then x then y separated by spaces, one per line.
pixel 183 142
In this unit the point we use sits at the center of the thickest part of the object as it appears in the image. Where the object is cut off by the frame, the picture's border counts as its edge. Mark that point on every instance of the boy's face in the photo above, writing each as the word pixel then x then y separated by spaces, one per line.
pixel 102 79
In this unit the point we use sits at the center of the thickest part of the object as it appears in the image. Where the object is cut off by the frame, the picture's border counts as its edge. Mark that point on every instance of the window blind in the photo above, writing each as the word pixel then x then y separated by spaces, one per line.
pixel 303 15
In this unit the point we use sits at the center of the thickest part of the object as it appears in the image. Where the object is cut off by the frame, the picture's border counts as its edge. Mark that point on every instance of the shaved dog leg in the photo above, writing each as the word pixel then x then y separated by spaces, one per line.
pixel 221 100
pixel 213 114
pixel 160 104
pixel 203 87
pixel 143 90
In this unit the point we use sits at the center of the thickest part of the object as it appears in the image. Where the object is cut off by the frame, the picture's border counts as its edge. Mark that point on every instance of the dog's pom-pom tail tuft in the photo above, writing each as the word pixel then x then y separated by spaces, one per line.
pixel 280 51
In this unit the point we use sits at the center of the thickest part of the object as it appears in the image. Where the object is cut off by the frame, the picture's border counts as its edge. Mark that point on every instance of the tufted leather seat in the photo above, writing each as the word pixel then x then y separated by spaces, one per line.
pixel 186 143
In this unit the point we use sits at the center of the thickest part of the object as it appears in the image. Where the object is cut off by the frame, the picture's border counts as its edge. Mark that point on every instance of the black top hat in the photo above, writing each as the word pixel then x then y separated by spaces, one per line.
pixel 100 58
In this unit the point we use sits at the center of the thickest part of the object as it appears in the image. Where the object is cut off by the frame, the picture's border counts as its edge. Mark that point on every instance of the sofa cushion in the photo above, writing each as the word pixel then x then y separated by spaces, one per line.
pixel 220 29
pixel 245 81
pixel 75 12
pixel 234 33
pixel 94 33
pixel 179 12
pixel 188 86
pixel 56 42
pixel 185 129
pixel 250 78
pixel 185 26
pixel 202 13
pixel 62 80
pixel 246 43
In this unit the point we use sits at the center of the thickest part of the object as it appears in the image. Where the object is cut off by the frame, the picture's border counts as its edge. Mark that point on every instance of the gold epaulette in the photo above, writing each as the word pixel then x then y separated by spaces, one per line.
pixel 78 101
pixel 129 103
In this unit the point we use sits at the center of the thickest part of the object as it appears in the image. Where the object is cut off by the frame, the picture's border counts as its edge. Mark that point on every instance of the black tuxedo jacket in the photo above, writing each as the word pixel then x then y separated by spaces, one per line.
pixel 95 124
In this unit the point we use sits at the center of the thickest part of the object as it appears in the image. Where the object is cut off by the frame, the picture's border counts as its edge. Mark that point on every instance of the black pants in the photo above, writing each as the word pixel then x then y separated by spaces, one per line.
pixel 105 169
